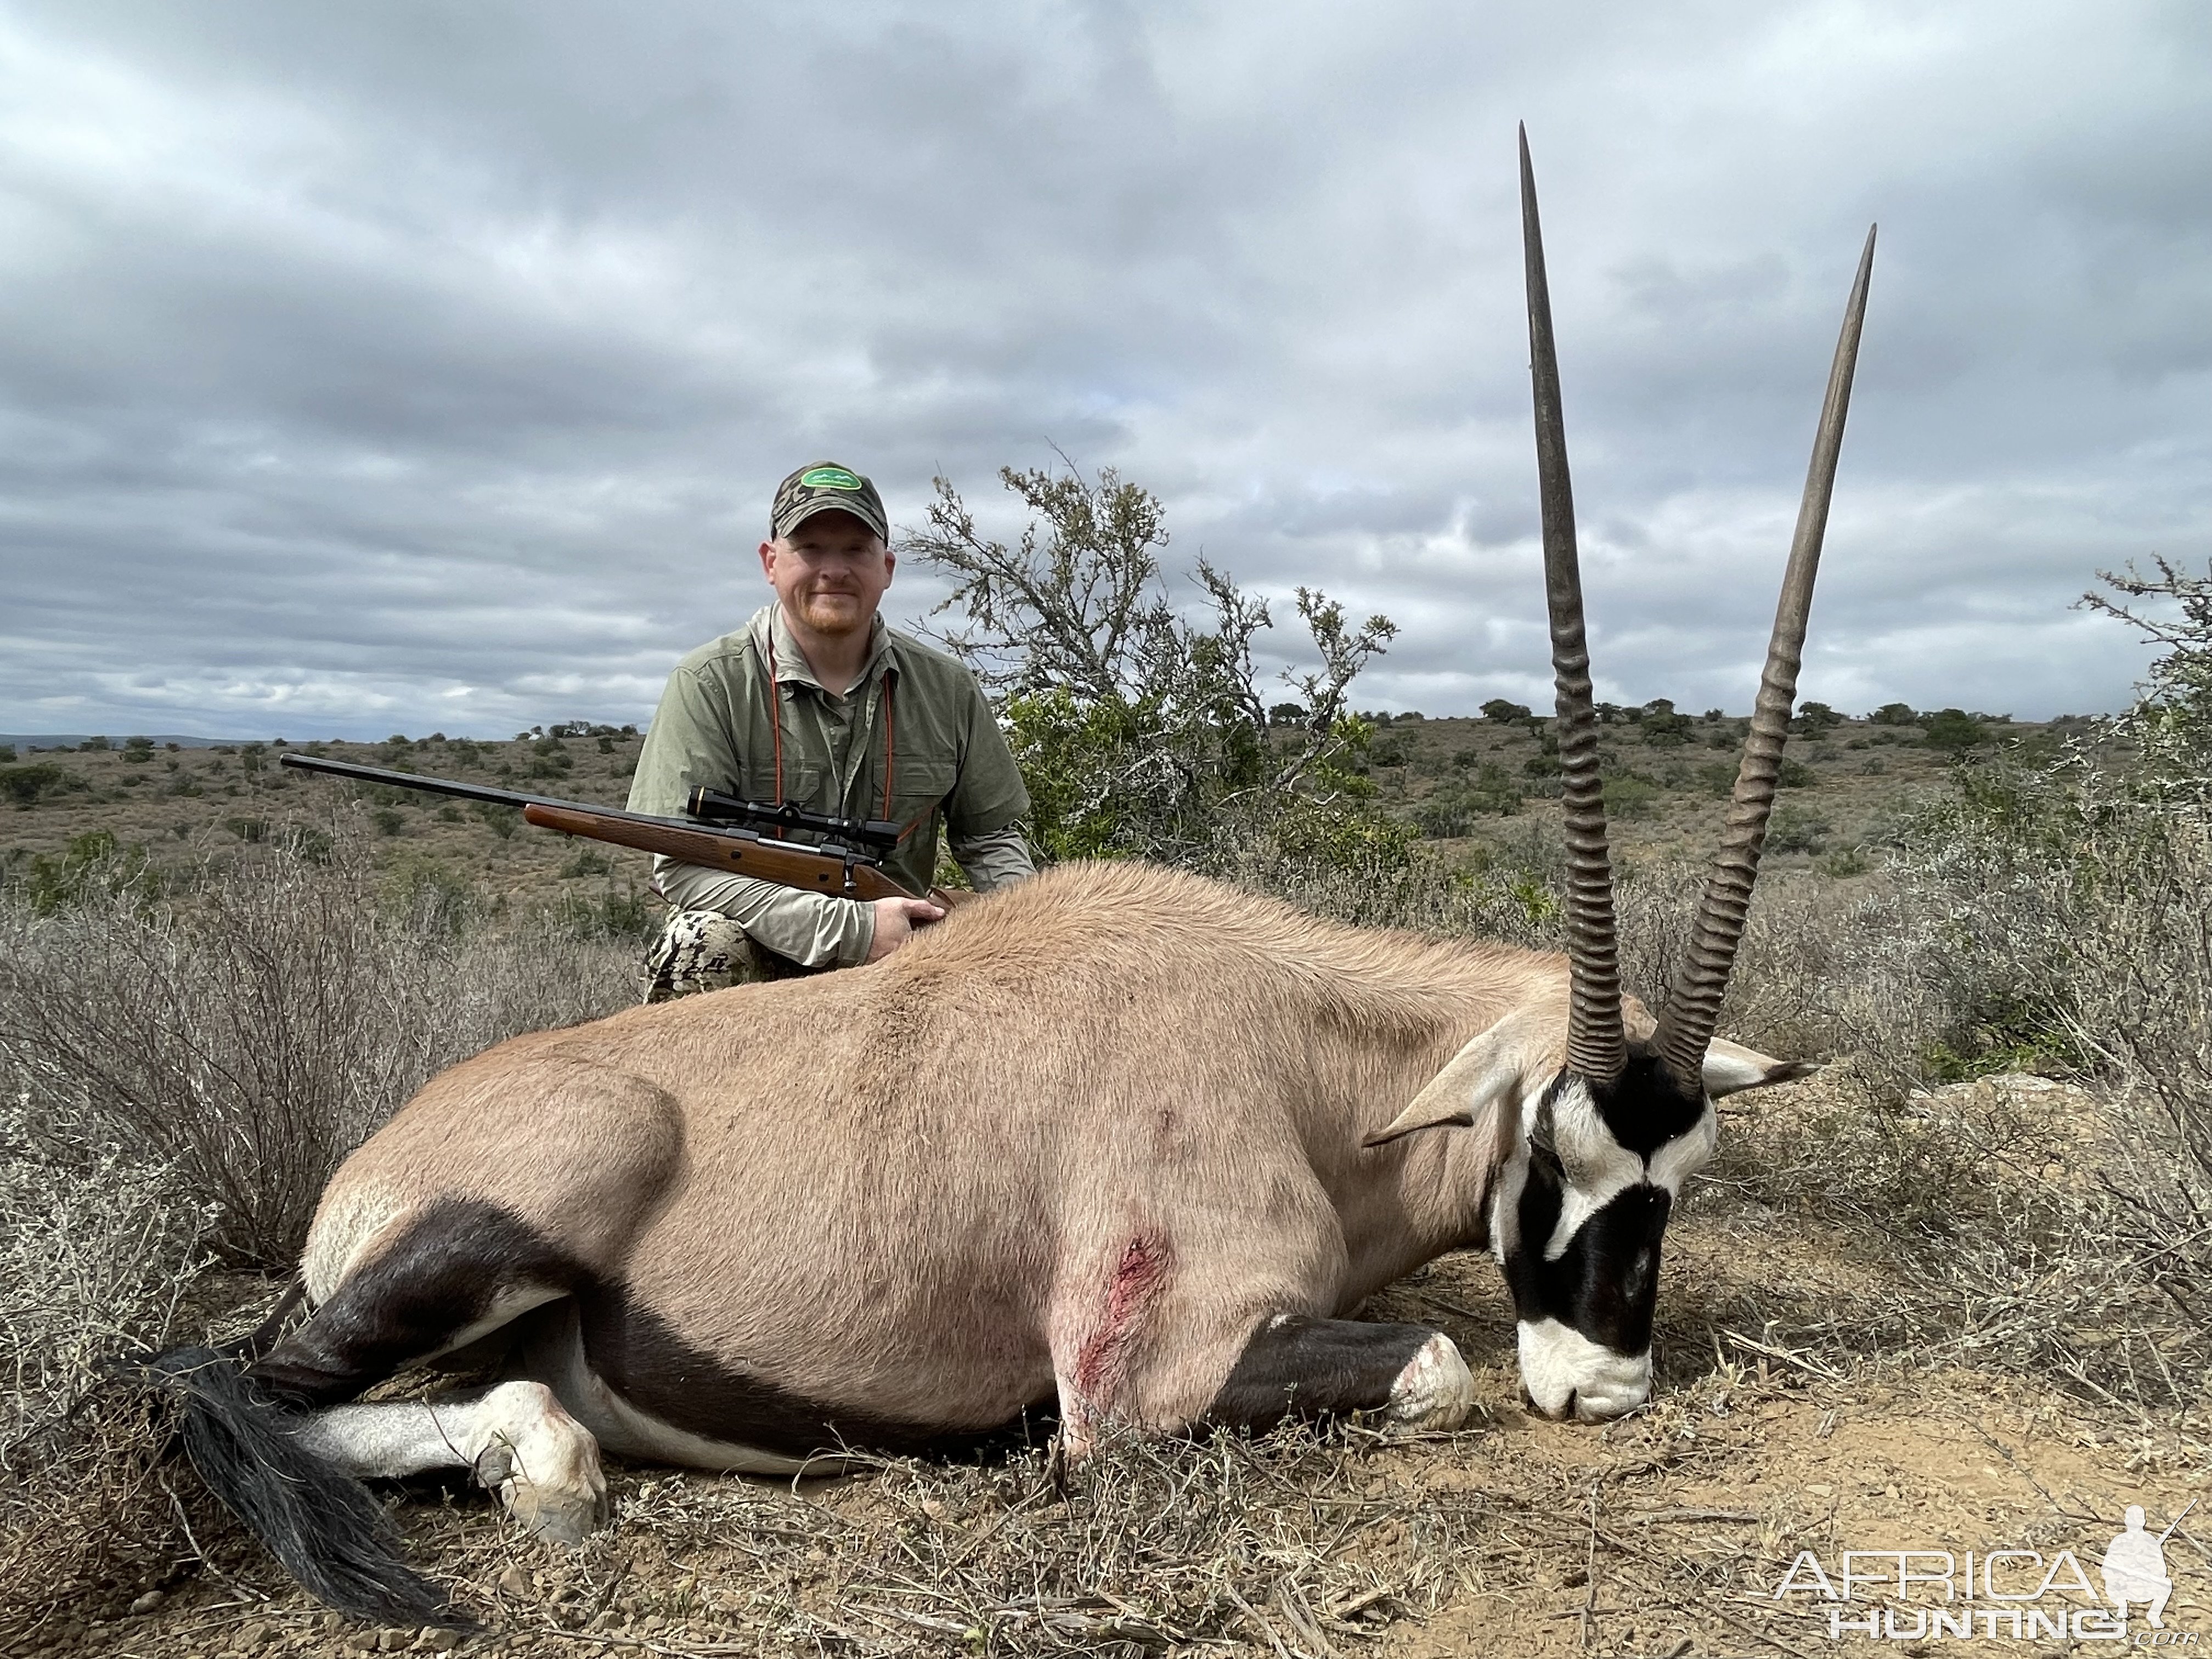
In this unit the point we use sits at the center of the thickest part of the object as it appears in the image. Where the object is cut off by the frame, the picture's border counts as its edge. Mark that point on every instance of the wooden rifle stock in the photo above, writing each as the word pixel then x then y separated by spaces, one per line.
pixel 765 859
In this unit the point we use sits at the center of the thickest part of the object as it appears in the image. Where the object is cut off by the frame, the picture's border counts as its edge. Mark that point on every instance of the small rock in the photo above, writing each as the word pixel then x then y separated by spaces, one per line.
pixel 392 1641
pixel 250 1639
pixel 514 1580
pixel 437 1641
pixel 149 1601
pixel 1818 1490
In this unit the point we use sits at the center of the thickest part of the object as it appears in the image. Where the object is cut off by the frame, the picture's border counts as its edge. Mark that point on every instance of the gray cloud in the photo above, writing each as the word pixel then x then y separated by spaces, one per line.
pixel 414 367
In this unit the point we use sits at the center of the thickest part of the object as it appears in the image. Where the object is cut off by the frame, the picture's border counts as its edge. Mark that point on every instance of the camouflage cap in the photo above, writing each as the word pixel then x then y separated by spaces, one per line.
pixel 827 487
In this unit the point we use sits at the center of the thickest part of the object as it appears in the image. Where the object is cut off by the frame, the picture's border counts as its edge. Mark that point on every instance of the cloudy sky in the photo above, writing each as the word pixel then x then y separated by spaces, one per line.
pixel 416 364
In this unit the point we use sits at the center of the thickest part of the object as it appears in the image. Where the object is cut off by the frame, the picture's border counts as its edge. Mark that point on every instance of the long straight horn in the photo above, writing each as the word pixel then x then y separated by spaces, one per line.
pixel 1595 1046
pixel 1686 1026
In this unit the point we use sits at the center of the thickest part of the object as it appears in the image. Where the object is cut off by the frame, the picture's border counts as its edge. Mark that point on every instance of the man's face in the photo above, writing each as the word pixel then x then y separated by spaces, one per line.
pixel 830 573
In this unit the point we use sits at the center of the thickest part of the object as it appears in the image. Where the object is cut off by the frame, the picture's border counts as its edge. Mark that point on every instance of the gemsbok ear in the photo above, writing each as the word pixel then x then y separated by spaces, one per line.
pixel 1730 1068
pixel 1489 1065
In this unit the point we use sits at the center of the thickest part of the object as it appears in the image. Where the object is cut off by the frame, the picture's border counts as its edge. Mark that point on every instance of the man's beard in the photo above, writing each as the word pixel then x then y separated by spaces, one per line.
pixel 833 613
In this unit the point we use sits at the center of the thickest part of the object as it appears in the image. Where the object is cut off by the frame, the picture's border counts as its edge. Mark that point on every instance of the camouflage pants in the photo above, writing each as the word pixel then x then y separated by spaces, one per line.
pixel 706 950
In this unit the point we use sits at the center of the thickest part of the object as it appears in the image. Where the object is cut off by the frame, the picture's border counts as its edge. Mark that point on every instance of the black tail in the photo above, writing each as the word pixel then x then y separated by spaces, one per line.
pixel 324 1525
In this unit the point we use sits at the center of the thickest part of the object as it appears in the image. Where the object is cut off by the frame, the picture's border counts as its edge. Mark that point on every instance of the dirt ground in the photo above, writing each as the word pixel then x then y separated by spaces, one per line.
pixel 1666 1533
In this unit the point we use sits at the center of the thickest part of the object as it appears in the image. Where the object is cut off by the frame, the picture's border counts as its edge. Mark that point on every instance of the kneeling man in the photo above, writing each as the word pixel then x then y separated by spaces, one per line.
pixel 816 702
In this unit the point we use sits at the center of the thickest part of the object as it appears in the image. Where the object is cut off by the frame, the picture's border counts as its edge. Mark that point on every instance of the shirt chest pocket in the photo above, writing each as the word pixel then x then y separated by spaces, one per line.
pixel 806 783
pixel 918 786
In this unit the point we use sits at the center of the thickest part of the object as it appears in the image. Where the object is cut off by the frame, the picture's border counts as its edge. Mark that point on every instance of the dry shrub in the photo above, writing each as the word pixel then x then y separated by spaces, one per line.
pixel 93 1261
pixel 2071 901
pixel 246 1035
pixel 178 1074
pixel 1995 1212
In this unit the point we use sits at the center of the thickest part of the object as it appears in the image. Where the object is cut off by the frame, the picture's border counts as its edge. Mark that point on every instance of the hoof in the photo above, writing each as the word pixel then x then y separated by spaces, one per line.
pixel 1435 1390
pixel 558 1515
pixel 543 1464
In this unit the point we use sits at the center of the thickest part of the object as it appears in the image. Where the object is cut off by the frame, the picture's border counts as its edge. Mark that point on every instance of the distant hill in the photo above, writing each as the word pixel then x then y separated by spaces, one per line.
pixel 70 739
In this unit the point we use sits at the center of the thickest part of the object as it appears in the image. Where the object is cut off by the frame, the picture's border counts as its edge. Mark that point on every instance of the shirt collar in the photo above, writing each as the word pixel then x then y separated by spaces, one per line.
pixel 769 627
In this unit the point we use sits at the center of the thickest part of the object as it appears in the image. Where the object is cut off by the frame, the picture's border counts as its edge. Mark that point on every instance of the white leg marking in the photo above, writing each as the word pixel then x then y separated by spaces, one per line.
pixel 1559 1363
pixel 1435 1390
pixel 627 1430
pixel 543 1463
pixel 622 1429
pixel 508 1302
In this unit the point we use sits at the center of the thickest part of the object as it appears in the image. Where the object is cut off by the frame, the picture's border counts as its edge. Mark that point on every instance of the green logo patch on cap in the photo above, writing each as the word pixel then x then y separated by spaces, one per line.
pixel 830 477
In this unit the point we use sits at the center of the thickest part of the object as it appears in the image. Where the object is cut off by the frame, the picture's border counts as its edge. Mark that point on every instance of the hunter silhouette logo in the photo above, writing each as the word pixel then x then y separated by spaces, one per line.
pixel 1905 1595
pixel 2134 1568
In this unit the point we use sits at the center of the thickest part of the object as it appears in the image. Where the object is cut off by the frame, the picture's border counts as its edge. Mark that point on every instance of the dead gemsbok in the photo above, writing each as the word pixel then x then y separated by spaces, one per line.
pixel 1118 1140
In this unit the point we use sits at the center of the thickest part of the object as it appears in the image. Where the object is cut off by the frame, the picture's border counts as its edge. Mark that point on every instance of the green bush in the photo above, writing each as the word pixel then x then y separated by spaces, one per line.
pixel 1629 797
pixel 1661 724
pixel 25 785
pixel 1451 812
pixel 1954 730
pixel 1137 731
pixel 1793 828
pixel 91 865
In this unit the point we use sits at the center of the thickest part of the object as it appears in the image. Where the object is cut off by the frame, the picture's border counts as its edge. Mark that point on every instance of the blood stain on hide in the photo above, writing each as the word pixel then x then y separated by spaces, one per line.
pixel 1138 1277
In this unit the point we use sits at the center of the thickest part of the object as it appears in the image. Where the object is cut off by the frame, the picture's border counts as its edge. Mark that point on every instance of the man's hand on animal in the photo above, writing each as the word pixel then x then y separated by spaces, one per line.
pixel 1118 1144
pixel 897 919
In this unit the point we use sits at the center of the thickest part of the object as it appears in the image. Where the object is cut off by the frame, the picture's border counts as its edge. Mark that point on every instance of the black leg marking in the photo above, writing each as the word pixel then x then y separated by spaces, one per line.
pixel 642 1357
pixel 436 1279
pixel 1297 1365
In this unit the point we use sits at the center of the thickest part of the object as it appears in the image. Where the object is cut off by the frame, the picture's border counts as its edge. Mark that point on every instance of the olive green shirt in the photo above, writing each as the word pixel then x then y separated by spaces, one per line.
pixel 913 740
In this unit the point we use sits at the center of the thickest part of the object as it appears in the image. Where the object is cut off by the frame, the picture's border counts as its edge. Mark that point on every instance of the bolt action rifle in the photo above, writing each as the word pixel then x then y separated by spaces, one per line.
pixel 842 857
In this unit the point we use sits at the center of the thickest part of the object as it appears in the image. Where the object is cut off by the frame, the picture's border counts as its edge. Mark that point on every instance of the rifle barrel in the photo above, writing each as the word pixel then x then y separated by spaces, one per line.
pixel 338 769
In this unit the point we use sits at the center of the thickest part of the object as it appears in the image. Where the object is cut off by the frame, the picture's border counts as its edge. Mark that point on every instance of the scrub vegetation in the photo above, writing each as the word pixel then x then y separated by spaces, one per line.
pixel 1949 1292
